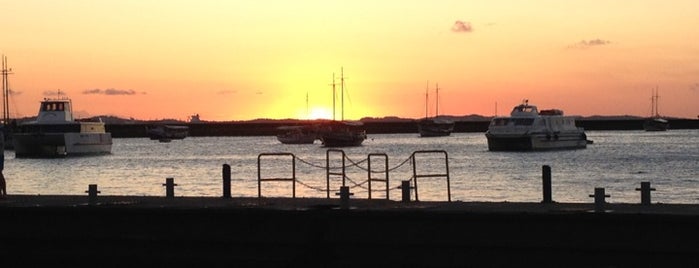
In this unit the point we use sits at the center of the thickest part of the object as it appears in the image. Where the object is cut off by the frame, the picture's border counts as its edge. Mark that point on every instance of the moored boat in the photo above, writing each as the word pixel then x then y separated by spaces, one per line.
pixel 55 133
pixel 343 134
pixel 655 122
pixel 297 135
pixel 167 132
pixel 527 129
pixel 434 126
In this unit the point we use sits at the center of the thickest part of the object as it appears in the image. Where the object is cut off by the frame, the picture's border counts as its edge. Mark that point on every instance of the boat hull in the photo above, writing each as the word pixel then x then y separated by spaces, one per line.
pixel 297 138
pixel 433 128
pixel 343 139
pixel 537 142
pixel 655 125
pixel 40 145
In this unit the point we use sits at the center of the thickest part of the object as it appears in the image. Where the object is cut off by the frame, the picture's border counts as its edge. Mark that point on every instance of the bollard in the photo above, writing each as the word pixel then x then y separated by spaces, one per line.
pixel 92 194
pixel 226 181
pixel 344 197
pixel 546 178
pixel 169 187
pixel 599 199
pixel 405 190
pixel 645 192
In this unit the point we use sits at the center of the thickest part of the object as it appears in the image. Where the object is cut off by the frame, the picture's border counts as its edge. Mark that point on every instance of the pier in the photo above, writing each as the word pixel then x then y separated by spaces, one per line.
pixel 266 232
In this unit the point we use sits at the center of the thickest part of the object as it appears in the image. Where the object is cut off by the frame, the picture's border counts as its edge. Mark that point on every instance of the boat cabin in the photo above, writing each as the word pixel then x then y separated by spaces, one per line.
pixel 55 111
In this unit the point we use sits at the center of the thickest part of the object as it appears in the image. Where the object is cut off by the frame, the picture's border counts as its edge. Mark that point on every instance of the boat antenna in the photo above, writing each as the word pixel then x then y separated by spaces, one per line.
pixel 307 117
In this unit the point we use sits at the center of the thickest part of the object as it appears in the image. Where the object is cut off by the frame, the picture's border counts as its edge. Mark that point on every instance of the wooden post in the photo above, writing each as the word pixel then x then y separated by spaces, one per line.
pixel 169 187
pixel 546 179
pixel 645 192
pixel 599 199
pixel 405 191
pixel 92 194
pixel 226 181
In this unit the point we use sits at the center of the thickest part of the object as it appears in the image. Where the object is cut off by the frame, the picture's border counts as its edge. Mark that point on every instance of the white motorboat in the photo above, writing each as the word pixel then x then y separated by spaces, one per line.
pixel 527 129
pixel 55 133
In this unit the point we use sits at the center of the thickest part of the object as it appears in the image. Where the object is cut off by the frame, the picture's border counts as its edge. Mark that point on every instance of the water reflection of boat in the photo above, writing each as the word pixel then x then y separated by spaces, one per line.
pixel 297 135
pixel 167 132
pixel 434 126
pixel 528 129
pixel 655 122
pixel 56 133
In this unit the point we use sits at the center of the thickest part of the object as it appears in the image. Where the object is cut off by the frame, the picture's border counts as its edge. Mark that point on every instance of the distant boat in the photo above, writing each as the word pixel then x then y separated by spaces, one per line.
pixel 527 129
pixel 434 126
pixel 297 134
pixel 55 133
pixel 166 133
pixel 655 122
pixel 342 133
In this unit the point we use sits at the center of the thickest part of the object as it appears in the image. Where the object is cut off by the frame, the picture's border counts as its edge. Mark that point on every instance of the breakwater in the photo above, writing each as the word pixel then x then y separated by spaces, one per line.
pixel 373 127
pixel 272 232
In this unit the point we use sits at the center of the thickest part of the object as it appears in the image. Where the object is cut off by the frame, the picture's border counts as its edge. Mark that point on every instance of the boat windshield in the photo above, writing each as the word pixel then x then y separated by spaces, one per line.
pixel 513 121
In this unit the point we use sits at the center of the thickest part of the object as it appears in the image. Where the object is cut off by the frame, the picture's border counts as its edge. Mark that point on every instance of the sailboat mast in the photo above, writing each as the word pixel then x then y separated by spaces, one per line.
pixel 5 91
pixel 436 113
pixel 657 113
pixel 427 89
pixel 342 93
pixel 333 84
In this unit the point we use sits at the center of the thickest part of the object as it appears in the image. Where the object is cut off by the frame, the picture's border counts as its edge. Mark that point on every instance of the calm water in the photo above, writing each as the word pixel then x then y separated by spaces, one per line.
pixel 618 161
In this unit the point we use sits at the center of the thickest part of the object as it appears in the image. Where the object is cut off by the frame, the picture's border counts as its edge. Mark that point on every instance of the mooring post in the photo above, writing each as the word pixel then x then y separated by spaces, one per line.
pixel 344 197
pixel 645 192
pixel 92 194
pixel 405 190
pixel 169 187
pixel 546 178
pixel 599 199
pixel 226 181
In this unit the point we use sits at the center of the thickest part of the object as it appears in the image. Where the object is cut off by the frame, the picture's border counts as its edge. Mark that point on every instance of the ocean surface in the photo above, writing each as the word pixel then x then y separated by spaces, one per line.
pixel 618 161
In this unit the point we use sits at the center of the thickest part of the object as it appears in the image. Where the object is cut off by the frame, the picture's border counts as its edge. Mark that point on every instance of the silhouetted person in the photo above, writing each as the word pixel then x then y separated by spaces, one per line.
pixel 3 187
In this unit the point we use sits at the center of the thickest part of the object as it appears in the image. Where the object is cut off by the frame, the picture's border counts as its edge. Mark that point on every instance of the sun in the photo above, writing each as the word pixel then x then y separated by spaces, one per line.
pixel 320 113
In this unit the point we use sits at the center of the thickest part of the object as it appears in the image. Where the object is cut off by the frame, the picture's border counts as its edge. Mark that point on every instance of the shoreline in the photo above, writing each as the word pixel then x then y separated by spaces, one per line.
pixel 271 232
pixel 372 127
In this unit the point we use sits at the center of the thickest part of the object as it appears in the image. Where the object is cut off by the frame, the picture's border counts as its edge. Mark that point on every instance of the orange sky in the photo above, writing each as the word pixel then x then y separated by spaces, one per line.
pixel 239 60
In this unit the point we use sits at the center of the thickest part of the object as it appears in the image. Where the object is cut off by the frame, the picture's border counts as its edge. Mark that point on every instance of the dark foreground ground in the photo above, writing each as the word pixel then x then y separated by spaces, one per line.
pixel 207 231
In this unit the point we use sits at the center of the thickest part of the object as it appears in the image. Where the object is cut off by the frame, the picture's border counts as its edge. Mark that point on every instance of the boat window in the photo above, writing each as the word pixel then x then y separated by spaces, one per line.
pixel 524 121
pixel 500 122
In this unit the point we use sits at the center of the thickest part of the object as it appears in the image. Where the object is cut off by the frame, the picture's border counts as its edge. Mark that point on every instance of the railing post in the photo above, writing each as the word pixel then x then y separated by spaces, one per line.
pixel 169 187
pixel 645 192
pixel 546 179
pixel 344 197
pixel 92 194
pixel 599 199
pixel 226 181
pixel 405 191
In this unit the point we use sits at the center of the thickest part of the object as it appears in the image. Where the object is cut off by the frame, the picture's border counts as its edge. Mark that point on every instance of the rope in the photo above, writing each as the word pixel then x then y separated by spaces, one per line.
pixel 310 186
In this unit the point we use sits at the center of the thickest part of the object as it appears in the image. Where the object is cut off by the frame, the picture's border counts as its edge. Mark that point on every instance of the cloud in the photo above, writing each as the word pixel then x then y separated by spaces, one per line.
pixel 461 27
pixel 694 87
pixel 15 93
pixel 109 91
pixel 226 92
pixel 51 93
pixel 590 43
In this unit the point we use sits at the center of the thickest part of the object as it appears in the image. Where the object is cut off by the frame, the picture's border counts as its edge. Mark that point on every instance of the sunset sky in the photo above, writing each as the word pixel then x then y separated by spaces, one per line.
pixel 239 60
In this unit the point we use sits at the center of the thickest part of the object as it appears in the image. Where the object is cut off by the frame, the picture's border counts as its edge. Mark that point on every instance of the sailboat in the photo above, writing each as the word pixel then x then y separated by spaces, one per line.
pixel 434 126
pixel 342 133
pixel 655 122
pixel 298 134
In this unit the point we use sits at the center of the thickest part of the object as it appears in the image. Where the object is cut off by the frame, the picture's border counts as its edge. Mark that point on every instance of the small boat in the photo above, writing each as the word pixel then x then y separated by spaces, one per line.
pixel 55 133
pixel 527 129
pixel 166 133
pixel 434 126
pixel 297 135
pixel 655 122
pixel 343 134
